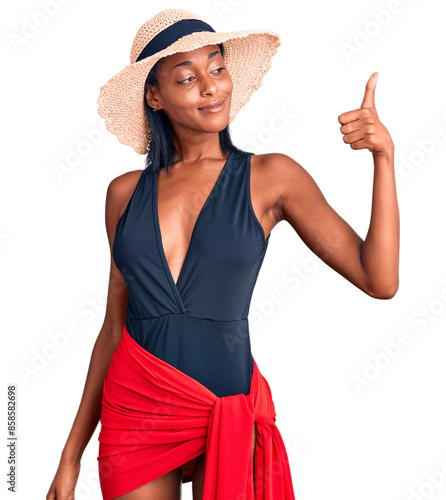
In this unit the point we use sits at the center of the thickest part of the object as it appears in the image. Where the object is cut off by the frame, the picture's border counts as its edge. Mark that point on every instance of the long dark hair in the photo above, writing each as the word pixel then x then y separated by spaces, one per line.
pixel 163 151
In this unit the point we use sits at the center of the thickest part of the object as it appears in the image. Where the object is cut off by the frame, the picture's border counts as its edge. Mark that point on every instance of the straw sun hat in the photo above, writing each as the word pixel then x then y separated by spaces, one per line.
pixel 247 56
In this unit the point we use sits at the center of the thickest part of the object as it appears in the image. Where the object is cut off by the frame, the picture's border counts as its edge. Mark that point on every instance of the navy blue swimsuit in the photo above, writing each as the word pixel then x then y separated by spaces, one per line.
pixel 200 324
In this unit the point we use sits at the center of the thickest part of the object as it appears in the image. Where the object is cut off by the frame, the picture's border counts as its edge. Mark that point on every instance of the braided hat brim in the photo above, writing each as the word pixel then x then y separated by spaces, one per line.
pixel 247 57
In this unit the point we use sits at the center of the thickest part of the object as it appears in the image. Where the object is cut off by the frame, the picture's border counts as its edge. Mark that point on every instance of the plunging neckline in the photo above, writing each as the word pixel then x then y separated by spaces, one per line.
pixel 175 286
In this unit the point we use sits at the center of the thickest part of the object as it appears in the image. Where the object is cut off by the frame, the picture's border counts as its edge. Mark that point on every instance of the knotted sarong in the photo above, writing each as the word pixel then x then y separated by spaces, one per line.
pixel 156 418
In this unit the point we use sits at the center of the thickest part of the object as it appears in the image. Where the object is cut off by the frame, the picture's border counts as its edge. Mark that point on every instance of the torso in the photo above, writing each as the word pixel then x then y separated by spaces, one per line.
pixel 190 259
pixel 182 193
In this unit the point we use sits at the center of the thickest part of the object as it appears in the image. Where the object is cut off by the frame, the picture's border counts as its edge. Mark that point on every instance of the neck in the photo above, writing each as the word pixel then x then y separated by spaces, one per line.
pixel 193 148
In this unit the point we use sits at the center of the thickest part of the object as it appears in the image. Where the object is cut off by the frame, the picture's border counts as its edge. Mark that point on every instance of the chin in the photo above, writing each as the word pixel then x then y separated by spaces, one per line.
pixel 214 123
pixel 217 127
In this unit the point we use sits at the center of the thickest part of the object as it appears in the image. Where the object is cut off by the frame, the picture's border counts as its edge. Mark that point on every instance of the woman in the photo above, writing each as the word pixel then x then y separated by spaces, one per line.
pixel 172 377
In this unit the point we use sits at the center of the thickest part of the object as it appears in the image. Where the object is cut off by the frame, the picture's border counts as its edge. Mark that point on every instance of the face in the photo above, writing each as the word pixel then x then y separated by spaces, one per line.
pixel 188 81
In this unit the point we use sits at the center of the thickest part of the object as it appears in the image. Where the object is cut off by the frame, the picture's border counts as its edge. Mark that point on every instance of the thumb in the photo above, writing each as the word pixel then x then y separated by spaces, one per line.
pixel 369 95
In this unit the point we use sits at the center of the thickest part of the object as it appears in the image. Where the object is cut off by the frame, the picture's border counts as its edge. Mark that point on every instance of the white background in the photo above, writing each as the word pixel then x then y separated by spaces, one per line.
pixel 385 440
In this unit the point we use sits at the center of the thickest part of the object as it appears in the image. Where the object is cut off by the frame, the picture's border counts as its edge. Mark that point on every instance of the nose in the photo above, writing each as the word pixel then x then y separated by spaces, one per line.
pixel 208 85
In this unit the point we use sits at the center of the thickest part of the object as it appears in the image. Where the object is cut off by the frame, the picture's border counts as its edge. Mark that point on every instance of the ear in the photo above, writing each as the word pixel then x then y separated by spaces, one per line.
pixel 149 95
pixel 152 97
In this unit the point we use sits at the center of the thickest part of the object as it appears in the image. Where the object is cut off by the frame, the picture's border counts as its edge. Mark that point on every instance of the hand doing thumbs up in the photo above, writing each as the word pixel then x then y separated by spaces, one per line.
pixel 362 128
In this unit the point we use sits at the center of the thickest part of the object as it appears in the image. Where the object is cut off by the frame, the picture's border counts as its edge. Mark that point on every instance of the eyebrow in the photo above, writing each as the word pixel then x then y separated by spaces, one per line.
pixel 188 63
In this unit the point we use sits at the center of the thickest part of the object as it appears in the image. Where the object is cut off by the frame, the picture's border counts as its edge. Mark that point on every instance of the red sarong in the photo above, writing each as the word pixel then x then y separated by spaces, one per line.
pixel 156 418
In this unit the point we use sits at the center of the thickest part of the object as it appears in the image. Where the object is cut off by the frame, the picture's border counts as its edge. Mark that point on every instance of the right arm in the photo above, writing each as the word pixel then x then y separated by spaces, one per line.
pixel 89 412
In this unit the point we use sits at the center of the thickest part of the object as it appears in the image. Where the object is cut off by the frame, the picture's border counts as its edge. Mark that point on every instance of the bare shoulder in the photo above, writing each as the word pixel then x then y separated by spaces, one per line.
pixel 278 166
pixel 119 191
pixel 121 188
pixel 281 178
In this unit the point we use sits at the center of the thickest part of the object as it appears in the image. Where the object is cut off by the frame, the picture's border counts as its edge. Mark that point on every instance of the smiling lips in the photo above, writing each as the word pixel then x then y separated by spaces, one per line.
pixel 213 107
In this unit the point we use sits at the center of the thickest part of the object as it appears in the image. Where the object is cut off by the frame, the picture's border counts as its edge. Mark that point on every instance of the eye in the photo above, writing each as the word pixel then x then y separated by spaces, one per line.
pixel 187 79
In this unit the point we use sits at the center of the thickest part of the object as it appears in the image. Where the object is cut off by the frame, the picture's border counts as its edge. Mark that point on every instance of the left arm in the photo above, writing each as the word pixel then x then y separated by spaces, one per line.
pixel 380 251
pixel 371 265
